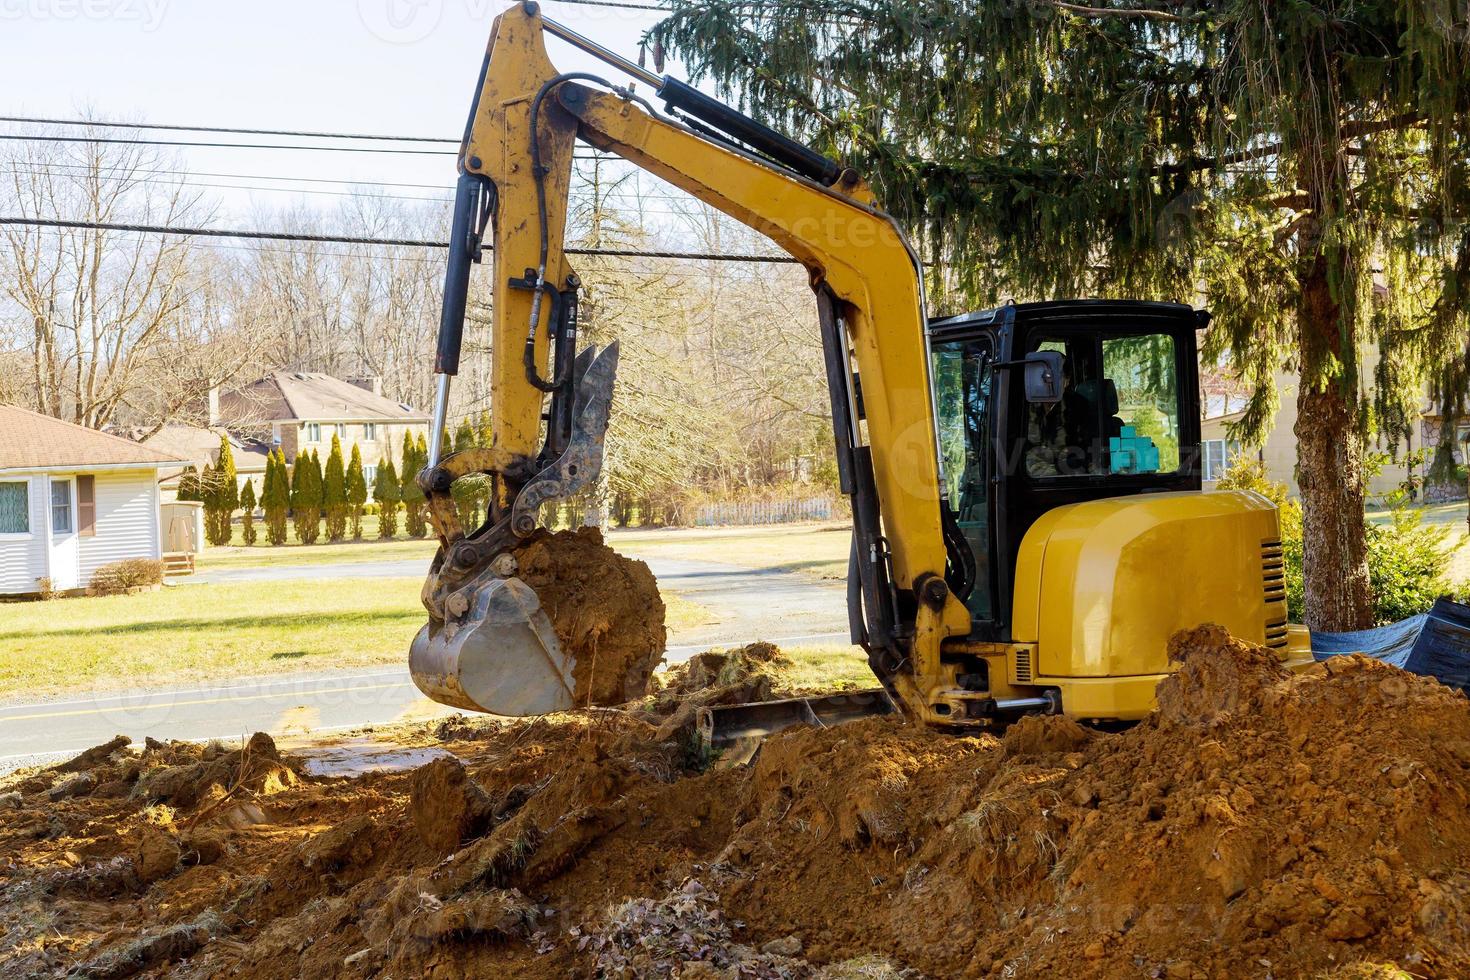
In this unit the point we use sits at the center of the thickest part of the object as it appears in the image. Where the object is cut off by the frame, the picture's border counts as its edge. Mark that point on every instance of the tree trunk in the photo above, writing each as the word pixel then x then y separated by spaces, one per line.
pixel 1330 468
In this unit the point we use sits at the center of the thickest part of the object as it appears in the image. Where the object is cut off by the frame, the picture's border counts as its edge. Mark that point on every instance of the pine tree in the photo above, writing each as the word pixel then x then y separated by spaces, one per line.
pixel 221 496
pixel 357 491
pixel 316 485
pixel 224 471
pixel 467 491
pixel 483 433
pixel 276 496
pixel 247 510
pixel 413 497
pixel 189 485
pixel 334 492
pixel 303 504
pixel 1283 155
pixel 388 494
pixel 464 436
pixel 208 497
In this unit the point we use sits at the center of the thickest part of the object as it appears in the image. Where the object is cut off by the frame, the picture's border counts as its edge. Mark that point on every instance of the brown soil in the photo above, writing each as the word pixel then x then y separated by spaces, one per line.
pixel 605 609
pixel 715 677
pixel 1260 825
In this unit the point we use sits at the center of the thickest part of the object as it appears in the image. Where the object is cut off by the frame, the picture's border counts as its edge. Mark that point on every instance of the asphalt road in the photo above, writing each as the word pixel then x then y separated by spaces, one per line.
pixel 747 605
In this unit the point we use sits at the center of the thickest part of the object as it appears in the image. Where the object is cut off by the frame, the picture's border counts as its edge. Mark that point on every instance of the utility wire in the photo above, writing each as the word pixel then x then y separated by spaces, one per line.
pixel 611 3
pixel 353 240
pixel 36 138
pixel 42 167
pixel 731 276
pixel 226 129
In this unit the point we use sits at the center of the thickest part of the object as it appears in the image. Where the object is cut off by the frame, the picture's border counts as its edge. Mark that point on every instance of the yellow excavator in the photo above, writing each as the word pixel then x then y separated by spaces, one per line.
pixel 1028 524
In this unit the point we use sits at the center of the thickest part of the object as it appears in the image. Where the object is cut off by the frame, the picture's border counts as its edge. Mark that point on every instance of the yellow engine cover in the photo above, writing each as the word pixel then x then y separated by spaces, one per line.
pixel 1101 586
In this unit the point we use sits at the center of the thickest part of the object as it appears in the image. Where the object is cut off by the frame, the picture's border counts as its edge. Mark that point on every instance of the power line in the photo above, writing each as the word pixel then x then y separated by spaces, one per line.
pixel 36 138
pixel 611 3
pixel 355 240
pixel 678 196
pixel 638 206
pixel 730 276
pixel 226 129
pixel 131 179
pixel 203 173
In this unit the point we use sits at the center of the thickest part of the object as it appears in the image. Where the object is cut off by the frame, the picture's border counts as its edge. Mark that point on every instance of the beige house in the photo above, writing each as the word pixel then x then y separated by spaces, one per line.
pixel 1223 404
pixel 300 411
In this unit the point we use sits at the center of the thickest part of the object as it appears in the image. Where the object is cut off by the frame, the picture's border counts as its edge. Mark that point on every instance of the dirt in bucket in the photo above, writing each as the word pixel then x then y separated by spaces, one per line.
pixel 1259 825
pixel 605 610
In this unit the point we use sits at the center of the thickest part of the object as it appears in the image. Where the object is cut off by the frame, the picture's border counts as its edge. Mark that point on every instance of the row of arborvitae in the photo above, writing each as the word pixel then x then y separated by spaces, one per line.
pixel 306 493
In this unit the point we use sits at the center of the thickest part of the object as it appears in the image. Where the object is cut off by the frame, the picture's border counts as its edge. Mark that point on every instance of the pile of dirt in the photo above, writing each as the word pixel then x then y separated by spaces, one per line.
pixel 605 609
pixel 1259 825
pixel 735 676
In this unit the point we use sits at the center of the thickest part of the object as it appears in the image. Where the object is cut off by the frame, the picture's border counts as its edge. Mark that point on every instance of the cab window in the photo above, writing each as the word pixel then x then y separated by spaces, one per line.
pixel 962 385
pixel 1143 373
pixel 1119 411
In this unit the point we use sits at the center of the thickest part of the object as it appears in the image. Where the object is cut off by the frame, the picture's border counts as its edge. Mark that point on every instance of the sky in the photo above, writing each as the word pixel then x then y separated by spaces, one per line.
pixel 404 67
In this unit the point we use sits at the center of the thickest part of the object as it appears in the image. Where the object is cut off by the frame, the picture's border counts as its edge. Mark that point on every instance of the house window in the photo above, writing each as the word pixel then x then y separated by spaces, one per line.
pixel 370 431
pixel 1218 454
pixel 370 474
pixel 341 428
pixel 15 508
pixel 313 432
pixel 61 507
pixel 87 506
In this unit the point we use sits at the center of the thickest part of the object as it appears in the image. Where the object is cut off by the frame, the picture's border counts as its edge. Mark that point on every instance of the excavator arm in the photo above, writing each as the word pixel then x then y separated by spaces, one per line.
pixel 487 647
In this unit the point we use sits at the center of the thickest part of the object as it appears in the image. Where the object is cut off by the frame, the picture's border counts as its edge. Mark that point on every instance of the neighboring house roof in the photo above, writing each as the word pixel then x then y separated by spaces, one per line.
pixel 295 396
pixel 199 445
pixel 30 441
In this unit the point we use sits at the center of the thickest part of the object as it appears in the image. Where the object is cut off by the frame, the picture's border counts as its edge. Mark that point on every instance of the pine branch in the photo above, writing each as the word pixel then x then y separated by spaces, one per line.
pixel 1121 12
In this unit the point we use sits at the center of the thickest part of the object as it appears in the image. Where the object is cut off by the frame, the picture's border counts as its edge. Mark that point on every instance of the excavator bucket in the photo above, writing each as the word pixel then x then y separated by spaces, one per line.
pixel 501 656
pixel 491 647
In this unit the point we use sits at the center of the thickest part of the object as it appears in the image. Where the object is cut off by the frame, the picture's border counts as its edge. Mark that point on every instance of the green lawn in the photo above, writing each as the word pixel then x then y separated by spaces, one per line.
pixel 199 633
pixel 815 551
pixel 314 554
pixel 817 669
pixel 1450 513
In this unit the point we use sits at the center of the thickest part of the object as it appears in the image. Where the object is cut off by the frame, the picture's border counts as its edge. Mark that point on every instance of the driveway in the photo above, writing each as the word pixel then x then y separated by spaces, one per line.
pixel 747 605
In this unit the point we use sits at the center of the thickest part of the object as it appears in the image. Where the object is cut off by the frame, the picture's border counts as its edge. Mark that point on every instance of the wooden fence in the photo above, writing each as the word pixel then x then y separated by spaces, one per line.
pixel 746 513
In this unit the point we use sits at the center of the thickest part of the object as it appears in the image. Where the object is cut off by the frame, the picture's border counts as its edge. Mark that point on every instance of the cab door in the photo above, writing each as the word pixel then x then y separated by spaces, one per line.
pixel 963 372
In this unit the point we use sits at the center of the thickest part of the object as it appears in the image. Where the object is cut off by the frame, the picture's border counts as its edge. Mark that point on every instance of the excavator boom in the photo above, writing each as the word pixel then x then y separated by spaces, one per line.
pixel 488 646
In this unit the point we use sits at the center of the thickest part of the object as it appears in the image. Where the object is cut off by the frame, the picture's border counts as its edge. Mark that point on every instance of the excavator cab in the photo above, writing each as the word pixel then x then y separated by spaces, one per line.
pixel 1124 421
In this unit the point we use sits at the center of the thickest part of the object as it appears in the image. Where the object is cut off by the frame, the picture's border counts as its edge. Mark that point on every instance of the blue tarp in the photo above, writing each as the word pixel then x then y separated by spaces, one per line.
pixel 1436 644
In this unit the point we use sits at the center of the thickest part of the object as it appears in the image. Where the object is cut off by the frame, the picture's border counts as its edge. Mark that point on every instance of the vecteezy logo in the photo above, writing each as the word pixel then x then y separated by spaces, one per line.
pixel 400 21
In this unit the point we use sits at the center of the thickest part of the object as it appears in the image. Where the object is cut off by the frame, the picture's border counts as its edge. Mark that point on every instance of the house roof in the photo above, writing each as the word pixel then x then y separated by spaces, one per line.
pixel 300 396
pixel 199 445
pixel 29 440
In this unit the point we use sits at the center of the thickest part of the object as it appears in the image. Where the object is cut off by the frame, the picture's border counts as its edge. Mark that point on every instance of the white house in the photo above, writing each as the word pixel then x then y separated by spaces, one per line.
pixel 72 500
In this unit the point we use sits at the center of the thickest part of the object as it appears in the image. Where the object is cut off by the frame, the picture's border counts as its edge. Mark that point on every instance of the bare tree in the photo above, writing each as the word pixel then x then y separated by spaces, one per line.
pixel 97 309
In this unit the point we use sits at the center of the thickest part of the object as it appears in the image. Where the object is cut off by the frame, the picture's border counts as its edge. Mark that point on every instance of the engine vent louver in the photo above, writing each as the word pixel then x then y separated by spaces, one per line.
pixel 1023 665
pixel 1273 582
